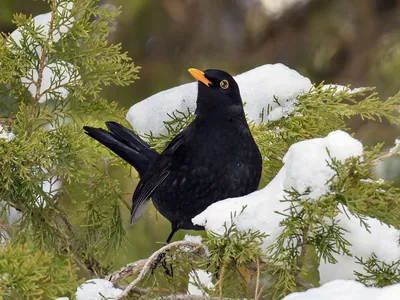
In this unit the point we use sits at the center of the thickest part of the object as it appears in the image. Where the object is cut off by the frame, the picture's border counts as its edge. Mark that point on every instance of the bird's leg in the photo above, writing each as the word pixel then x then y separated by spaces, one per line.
pixel 161 257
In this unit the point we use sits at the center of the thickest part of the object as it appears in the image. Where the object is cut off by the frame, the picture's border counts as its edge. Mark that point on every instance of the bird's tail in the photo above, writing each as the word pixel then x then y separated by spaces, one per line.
pixel 126 144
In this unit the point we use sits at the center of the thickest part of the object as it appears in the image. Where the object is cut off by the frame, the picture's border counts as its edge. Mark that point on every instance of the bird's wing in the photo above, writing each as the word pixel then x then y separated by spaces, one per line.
pixel 153 178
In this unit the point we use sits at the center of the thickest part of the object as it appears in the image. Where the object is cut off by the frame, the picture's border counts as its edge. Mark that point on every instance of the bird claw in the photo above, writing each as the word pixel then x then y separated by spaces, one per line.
pixel 161 258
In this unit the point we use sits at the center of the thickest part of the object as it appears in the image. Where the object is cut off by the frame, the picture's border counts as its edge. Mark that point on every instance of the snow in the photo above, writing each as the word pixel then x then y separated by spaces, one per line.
pixel 51 187
pixel 261 88
pixel 4 134
pixel 193 238
pixel 347 290
pixel 42 24
pixel 203 279
pixel 396 147
pixel 12 215
pixel 389 168
pixel 305 167
pixel 57 75
pixel 55 78
pixel 97 289
pixel 275 8
pixel 312 155
pixel 258 87
pixel 341 88
pixel 196 239
pixel 382 241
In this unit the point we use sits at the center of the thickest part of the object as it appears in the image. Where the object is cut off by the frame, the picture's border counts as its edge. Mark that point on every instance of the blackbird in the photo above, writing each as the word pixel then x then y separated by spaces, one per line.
pixel 213 158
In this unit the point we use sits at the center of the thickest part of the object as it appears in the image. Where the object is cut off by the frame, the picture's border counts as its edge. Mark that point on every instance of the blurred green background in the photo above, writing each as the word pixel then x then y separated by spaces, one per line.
pixel 343 41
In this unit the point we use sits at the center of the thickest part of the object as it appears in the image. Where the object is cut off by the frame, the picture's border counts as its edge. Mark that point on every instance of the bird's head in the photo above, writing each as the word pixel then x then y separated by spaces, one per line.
pixel 218 93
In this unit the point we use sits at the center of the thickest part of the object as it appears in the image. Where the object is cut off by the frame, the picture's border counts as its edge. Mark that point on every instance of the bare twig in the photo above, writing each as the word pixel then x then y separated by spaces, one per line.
pixel 386 155
pixel 221 277
pixel 303 252
pixel 303 283
pixel 126 271
pixel 150 261
pixel 394 151
pixel 263 286
pixel 42 63
pixel 257 280
pixel 140 291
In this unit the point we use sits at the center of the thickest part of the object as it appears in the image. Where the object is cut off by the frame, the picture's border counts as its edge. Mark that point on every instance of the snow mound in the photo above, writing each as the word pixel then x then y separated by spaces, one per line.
pixel 305 167
pixel 347 290
pixel 97 289
pixel 149 114
pixel 261 89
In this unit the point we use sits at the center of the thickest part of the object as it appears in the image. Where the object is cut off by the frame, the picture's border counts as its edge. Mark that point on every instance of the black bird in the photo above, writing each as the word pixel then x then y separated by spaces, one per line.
pixel 212 159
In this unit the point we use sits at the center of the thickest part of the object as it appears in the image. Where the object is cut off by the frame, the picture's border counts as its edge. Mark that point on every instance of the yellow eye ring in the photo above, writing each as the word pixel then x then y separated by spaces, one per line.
pixel 224 84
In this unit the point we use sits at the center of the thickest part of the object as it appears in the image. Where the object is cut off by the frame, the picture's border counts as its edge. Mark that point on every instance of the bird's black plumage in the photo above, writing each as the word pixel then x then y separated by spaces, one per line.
pixel 212 159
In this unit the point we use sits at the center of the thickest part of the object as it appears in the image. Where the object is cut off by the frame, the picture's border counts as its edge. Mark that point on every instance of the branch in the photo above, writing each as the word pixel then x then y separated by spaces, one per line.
pixel 197 278
pixel 148 266
pixel 386 155
pixel 303 283
pixel 126 271
pixel 394 151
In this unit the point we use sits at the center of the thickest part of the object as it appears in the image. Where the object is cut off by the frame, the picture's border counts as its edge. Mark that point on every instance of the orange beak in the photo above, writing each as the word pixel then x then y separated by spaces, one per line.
pixel 199 75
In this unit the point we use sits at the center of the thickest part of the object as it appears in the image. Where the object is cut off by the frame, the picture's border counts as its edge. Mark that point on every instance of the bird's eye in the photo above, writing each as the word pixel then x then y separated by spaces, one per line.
pixel 224 84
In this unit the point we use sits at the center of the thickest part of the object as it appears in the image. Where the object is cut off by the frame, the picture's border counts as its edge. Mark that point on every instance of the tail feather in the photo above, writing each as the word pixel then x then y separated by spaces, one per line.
pixel 126 144
pixel 128 136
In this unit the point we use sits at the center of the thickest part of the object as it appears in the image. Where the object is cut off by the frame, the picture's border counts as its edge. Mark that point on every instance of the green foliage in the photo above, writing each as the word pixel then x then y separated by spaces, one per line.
pixel 310 225
pixel 310 231
pixel 378 273
pixel 240 247
pixel 355 188
pixel 81 222
pixel 32 274
pixel 317 113
pixel 50 165
pixel 230 257
pixel 178 121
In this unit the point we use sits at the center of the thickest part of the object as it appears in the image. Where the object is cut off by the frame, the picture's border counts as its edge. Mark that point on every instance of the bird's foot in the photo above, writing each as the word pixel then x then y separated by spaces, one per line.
pixel 161 258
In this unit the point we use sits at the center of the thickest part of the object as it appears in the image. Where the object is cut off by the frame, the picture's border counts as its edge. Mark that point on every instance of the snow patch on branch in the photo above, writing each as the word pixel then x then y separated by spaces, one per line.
pixel 4 134
pixel 42 23
pixel 305 169
pixel 199 278
pixel 97 289
pixel 269 92
pixel 341 88
pixel 55 78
